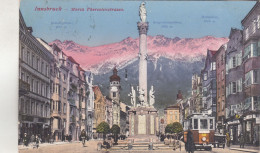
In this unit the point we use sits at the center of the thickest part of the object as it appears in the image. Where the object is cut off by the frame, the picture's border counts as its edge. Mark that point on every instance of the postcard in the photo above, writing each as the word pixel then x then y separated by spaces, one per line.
pixel 139 76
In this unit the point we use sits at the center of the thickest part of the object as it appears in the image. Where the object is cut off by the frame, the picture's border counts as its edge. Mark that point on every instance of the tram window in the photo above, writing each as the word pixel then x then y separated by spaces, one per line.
pixel 203 124
pixel 195 123
pixel 211 123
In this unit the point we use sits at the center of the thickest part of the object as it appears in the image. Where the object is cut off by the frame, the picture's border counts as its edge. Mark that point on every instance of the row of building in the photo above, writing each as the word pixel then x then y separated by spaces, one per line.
pixel 228 87
pixel 57 97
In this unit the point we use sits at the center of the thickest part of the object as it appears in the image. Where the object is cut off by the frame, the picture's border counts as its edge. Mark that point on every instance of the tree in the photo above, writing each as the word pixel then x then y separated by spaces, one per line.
pixel 103 127
pixel 175 128
pixel 115 130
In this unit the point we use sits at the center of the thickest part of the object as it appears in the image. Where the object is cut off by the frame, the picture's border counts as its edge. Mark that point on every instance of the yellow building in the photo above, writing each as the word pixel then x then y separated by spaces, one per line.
pixel 172 114
pixel 100 107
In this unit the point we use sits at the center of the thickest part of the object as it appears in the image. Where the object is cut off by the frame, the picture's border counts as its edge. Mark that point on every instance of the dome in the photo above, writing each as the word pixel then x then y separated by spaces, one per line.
pixel 114 77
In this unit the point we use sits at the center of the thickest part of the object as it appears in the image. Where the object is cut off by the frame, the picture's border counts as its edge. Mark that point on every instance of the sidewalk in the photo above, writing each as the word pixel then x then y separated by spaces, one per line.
pixel 22 147
pixel 246 148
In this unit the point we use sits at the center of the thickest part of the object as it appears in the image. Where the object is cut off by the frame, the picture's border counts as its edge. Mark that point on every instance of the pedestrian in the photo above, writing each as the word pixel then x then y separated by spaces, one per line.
pixel 189 145
pixel 241 140
pixel 25 140
pixel 32 139
pixel 83 137
pixel 37 141
pixel 228 139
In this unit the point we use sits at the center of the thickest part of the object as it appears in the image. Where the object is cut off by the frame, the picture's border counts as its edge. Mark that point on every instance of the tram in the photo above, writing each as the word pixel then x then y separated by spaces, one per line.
pixel 203 130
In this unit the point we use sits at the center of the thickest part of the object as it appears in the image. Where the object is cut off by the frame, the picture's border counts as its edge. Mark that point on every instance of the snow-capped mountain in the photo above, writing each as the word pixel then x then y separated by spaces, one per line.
pixel 101 59
pixel 171 63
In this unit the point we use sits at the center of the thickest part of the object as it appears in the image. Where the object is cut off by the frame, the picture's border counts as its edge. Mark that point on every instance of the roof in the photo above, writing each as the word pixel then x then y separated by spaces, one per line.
pixel 172 107
pixel 213 52
pixel 232 31
pixel 250 12
pixel 72 60
pixel 80 69
pixel 114 77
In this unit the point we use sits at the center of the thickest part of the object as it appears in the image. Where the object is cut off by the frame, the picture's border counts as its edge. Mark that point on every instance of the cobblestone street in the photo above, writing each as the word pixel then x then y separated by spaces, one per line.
pixel 91 147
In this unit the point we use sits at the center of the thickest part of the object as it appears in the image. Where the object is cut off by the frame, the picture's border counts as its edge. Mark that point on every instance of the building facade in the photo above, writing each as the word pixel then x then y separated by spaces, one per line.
pixel 171 114
pixel 221 87
pixel 90 103
pixel 251 65
pixel 209 84
pixel 100 108
pixel 109 111
pixel 234 83
pixel 196 94
pixel 34 84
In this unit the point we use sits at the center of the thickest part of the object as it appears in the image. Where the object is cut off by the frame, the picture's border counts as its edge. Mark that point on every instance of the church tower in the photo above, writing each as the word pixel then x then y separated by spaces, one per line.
pixel 114 94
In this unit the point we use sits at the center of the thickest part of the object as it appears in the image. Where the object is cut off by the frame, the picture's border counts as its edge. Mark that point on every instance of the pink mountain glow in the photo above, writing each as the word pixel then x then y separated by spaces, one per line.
pixel 127 50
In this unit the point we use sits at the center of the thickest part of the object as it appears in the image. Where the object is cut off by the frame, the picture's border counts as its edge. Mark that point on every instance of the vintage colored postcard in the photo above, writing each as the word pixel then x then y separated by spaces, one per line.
pixel 139 76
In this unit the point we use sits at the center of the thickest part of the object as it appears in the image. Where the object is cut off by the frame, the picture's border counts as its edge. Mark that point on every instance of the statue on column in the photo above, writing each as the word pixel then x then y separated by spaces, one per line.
pixel 133 96
pixel 142 12
pixel 151 98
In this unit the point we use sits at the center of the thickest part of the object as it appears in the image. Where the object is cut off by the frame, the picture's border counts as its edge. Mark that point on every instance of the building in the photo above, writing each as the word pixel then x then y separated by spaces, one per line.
pixel 58 90
pixel 196 93
pixel 109 111
pixel 100 108
pixel 209 84
pixel 234 82
pixel 171 114
pixel 34 84
pixel 114 94
pixel 124 119
pixel 90 103
pixel 251 64
pixel 221 87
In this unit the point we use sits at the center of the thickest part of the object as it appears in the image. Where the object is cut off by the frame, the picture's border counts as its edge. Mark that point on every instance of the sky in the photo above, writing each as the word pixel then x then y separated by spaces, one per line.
pixel 169 18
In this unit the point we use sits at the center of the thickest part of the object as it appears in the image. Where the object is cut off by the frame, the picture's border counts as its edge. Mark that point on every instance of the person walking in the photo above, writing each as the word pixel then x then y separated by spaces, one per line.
pixel 83 136
pixel 241 140
pixel 189 145
pixel 37 141
pixel 228 139
pixel 32 140
pixel 25 140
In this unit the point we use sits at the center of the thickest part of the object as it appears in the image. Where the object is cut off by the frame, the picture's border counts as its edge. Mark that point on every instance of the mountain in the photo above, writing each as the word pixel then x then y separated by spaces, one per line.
pixel 171 63
pixel 101 59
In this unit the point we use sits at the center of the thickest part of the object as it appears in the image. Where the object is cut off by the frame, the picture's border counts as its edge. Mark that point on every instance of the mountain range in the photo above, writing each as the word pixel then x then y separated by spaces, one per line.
pixel 171 63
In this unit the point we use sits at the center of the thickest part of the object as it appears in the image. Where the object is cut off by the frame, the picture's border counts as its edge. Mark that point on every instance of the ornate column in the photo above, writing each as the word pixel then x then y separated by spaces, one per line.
pixel 143 29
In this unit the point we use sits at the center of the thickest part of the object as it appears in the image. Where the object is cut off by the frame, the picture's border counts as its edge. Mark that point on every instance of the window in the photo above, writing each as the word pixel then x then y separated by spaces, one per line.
pixel 32 108
pixel 46 111
pixel 32 60
pixel 239 85
pixel 234 62
pixel 32 85
pixel 36 110
pixel 203 124
pixel 42 67
pixel 38 64
pixel 41 110
pixel 222 59
pixel 222 74
pixel 251 51
pixel 64 77
pixel 64 108
pixel 59 106
pixel 28 57
pixel 211 124
pixel 195 123
pixel 59 90
pixel 47 70
pixel 22 53
pixel 255 76
pixel 246 33
pixel 37 87
pixel 205 76
pixel 234 87
pixel 258 22
pixel 114 94
pixel 214 66
pixel 64 92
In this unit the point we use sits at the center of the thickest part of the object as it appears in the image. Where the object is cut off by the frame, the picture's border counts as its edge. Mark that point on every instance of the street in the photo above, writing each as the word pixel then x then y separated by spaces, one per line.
pixel 91 147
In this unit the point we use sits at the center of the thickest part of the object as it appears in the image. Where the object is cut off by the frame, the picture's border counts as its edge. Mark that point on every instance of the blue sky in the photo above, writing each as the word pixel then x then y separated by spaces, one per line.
pixel 169 18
